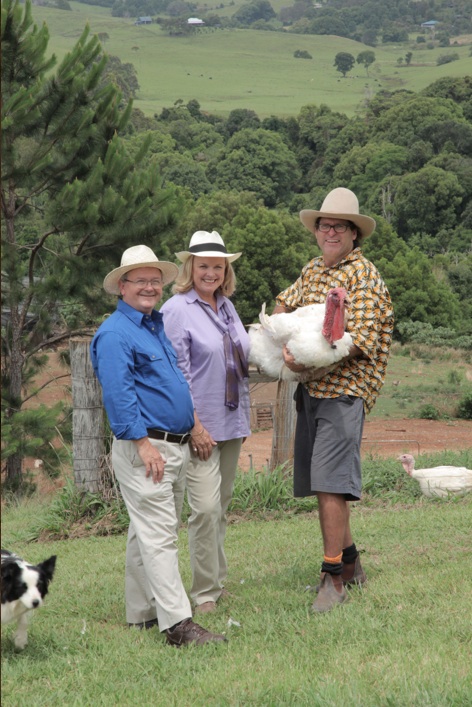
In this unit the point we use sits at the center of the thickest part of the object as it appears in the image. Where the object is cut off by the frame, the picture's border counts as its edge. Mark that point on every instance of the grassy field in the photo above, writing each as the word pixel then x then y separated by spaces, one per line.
pixel 226 69
pixel 418 376
pixel 403 640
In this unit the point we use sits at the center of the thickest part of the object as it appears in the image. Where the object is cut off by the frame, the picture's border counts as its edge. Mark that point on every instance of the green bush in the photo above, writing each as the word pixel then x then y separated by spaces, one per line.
pixel 464 409
pixel 447 58
pixel 454 378
pixel 302 54
pixel 428 412
pixel 425 333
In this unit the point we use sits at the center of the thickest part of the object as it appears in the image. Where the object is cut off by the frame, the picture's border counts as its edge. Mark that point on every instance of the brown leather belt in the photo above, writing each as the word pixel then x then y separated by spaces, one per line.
pixel 169 437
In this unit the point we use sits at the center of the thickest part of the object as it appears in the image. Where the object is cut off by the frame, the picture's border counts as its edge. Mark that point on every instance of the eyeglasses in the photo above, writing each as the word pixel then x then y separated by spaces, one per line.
pixel 156 282
pixel 338 227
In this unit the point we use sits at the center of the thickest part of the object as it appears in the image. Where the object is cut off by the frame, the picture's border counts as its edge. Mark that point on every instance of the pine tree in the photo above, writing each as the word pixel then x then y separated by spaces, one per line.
pixel 72 200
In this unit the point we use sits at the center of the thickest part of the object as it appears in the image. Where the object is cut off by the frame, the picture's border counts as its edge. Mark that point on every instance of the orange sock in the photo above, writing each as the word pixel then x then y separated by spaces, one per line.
pixel 333 560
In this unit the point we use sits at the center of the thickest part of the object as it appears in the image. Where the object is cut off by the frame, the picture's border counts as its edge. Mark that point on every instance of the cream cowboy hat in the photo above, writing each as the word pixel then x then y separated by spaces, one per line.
pixel 138 256
pixel 210 245
pixel 340 203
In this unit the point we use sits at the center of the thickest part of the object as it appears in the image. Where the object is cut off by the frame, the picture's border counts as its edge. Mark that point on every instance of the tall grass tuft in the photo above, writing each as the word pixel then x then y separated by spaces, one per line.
pixel 260 491
pixel 74 513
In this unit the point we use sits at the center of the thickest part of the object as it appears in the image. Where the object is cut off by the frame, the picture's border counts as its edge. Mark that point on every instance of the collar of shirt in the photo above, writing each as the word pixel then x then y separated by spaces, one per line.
pixel 138 317
pixel 192 296
pixel 318 262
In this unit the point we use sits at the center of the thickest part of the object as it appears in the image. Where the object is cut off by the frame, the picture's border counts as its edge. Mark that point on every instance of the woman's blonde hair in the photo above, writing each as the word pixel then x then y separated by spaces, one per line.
pixel 184 280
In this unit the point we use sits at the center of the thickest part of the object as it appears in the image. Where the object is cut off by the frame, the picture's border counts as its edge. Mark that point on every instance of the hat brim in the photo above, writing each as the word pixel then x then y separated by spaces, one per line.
pixel 366 224
pixel 184 255
pixel 111 281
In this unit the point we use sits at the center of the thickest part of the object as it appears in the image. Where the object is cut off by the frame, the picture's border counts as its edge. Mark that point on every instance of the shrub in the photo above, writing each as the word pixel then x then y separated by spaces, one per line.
pixel 464 409
pixel 447 58
pixel 454 377
pixel 428 412
pixel 302 54
pixel 425 333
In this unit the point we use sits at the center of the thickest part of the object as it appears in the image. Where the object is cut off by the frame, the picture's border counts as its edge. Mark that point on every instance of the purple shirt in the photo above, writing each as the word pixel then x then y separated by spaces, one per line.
pixel 200 355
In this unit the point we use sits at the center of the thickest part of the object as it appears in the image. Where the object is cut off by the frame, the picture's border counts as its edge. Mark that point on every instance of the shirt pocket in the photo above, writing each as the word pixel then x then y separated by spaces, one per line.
pixel 146 361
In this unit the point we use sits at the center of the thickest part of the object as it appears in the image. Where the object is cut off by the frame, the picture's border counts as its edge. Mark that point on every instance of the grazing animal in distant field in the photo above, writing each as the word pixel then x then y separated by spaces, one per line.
pixel 315 336
pixel 439 480
pixel 24 587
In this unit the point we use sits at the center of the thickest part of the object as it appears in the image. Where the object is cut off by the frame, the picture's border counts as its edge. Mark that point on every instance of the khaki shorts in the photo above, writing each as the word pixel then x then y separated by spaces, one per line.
pixel 327 445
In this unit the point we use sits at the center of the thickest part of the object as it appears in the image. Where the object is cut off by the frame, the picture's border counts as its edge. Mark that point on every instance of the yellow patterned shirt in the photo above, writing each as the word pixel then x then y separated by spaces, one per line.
pixel 370 323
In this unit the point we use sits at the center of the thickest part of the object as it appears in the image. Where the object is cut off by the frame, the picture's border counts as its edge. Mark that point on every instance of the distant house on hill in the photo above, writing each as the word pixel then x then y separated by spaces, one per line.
pixel 195 22
pixel 143 21
pixel 431 25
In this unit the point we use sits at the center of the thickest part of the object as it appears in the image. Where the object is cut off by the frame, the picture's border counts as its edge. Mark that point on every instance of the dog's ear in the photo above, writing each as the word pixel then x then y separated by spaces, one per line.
pixel 48 567
pixel 10 573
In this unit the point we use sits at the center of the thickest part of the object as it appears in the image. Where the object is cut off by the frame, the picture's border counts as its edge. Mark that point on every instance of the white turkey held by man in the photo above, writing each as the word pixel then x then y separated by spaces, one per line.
pixel 439 480
pixel 315 336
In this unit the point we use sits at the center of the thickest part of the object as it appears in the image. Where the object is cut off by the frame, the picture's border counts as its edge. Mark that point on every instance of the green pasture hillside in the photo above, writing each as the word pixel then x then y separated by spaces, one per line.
pixel 230 69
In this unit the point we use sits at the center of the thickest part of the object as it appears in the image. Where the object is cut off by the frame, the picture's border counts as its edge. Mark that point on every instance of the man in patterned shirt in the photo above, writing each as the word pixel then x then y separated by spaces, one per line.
pixel 333 402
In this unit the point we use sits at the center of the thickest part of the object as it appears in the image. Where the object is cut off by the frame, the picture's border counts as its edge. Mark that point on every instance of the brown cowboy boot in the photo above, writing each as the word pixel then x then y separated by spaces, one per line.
pixel 353 574
pixel 330 594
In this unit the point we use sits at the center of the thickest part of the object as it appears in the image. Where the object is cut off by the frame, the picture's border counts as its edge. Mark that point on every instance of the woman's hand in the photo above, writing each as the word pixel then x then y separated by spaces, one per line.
pixel 202 443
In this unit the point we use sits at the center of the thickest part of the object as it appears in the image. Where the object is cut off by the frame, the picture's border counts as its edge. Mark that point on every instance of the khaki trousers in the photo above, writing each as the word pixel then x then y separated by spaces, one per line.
pixel 153 586
pixel 209 490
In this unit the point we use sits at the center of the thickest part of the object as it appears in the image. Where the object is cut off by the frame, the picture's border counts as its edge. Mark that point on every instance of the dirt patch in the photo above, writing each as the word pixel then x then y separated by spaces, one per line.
pixel 383 438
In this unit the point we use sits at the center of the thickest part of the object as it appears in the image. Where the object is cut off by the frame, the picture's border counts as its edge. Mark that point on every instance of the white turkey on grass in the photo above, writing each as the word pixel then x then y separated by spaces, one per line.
pixel 439 480
pixel 315 336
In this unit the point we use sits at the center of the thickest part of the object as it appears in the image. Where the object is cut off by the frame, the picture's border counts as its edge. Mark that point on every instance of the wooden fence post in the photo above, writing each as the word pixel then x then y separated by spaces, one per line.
pixel 284 424
pixel 88 417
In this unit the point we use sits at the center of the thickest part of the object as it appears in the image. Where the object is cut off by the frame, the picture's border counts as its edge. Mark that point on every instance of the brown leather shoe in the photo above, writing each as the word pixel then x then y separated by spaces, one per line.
pixel 188 632
pixel 353 574
pixel 331 593
pixel 206 608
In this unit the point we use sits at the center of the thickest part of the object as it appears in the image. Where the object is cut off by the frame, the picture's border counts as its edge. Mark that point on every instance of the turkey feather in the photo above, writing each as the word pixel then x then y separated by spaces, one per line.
pixel 314 335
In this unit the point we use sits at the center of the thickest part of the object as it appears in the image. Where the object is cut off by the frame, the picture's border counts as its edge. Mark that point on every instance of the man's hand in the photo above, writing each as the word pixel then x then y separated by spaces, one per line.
pixel 151 458
pixel 305 373
pixel 290 362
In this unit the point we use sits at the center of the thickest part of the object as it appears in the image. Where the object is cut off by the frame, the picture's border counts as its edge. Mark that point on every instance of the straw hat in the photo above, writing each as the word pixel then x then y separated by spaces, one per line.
pixel 138 256
pixel 340 203
pixel 209 245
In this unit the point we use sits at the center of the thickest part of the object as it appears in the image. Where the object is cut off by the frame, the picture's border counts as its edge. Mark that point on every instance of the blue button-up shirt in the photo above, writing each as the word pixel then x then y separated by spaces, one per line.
pixel 143 388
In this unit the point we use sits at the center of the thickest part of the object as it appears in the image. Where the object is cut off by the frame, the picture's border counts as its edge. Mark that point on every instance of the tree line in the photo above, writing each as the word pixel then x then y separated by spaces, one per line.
pixel 84 176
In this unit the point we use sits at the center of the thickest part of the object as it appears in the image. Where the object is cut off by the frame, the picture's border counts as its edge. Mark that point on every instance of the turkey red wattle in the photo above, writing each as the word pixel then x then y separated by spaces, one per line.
pixel 333 324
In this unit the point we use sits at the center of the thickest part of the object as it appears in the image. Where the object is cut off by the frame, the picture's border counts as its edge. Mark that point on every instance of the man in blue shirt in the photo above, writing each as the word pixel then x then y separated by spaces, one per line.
pixel 150 410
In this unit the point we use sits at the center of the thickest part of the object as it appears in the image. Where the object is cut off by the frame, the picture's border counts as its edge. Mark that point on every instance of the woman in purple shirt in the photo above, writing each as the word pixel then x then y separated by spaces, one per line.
pixel 212 348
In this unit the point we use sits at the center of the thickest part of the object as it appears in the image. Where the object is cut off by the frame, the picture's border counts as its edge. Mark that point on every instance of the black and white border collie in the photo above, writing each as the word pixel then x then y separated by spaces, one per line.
pixel 24 587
